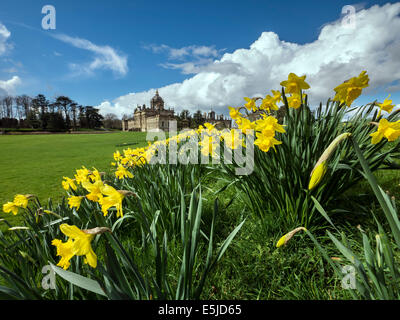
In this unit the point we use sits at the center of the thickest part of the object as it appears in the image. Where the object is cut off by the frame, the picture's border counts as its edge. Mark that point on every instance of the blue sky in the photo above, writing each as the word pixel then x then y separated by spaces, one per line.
pixel 150 44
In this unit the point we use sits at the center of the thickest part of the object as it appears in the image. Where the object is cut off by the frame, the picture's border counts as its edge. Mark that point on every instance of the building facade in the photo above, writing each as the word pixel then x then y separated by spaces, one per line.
pixel 157 117
pixel 149 119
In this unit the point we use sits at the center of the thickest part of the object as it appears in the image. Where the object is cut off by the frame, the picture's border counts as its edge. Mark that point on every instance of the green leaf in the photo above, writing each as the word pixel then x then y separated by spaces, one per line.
pixel 78 280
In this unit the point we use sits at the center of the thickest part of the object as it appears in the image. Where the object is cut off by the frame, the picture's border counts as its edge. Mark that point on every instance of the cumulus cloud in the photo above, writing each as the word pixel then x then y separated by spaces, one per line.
pixel 105 57
pixel 8 87
pixel 337 54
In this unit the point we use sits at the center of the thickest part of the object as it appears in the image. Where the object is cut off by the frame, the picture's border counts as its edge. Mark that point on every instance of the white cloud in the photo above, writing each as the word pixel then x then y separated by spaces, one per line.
pixel 105 57
pixel 190 59
pixel 4 35
pixel 9 86
pixel 338 54
pixel 180 53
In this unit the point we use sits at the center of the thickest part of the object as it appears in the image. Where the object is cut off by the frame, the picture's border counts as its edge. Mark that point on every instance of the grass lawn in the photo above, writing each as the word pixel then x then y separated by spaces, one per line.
pixel 36 164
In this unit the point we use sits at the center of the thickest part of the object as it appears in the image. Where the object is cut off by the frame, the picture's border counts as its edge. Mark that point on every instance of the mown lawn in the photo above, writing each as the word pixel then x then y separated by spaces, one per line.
pixel 36 164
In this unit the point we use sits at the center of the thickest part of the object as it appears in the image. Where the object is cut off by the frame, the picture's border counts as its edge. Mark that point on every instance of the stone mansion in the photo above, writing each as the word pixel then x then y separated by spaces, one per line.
pixel 157 117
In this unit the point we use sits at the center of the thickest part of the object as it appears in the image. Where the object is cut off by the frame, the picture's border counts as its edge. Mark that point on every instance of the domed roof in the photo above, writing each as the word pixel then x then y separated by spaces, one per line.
pixel 157 98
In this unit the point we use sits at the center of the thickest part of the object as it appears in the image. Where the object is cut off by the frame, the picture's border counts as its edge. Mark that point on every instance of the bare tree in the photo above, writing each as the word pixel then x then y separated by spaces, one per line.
pixel 8 105
pixel 25 101
pixel 73 110
pixel 111 121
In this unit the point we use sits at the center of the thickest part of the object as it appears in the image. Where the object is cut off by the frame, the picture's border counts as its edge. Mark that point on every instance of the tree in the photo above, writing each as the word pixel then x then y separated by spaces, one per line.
pixel 197 119
pixel 73 110
pixel 7 103
pixel 40 104
pixel 111 121
pixel 26 102
pixel 93 118
pixel 82 117
pixel 185 114
pixel 65 103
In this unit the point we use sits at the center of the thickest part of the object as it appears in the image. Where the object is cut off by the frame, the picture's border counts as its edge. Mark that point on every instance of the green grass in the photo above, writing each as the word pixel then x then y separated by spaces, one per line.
pixel 36 164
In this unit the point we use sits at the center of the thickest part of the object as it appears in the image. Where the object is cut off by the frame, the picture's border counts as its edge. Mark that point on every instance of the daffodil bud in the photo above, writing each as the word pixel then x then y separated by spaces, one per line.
pixel 320 167
pixel 317 175
pixel 284 239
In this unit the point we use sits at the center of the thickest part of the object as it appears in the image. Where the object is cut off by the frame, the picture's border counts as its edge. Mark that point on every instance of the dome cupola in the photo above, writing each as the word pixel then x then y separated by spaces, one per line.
pixel 157 102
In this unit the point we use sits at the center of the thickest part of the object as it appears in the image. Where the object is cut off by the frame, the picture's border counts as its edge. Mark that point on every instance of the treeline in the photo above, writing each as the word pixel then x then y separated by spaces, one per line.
pixel 61 114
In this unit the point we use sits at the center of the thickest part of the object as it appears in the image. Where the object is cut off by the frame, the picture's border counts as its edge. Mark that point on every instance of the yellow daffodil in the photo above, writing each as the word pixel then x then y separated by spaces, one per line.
pixel 294 84
pixel 269 124
pixel 386 105
pixel 117 156
pixel 351 89
pixel 234 113
pixel 82 175
pixel 94 190
pixel 265 141
pixel 75 202
pixel 245 124
pixel 113 199
pixel 21 200
pixel 64 249
pixel 95 175
pixel 68 183
pixel 389 130
pixel 276 95
pixel 78 244
pixel 268 103
pixel 10 207
pixel 122 172
pixel 295 100
pixel 250 105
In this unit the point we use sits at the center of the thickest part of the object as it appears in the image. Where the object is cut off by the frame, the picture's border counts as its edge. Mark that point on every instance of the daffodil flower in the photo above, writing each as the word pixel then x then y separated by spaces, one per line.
pixel 94 190
pixel 386 105
pixel 75 202
pixel 351 89
pixel 10 207
pixel 389 130
pixel 78 244
pixel 122 172
pixel 113 198
pixel 295 83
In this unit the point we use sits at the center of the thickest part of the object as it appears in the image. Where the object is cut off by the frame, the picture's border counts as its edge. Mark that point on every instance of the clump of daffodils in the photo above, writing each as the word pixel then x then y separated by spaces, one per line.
pixel 97 191
pixel 266 126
